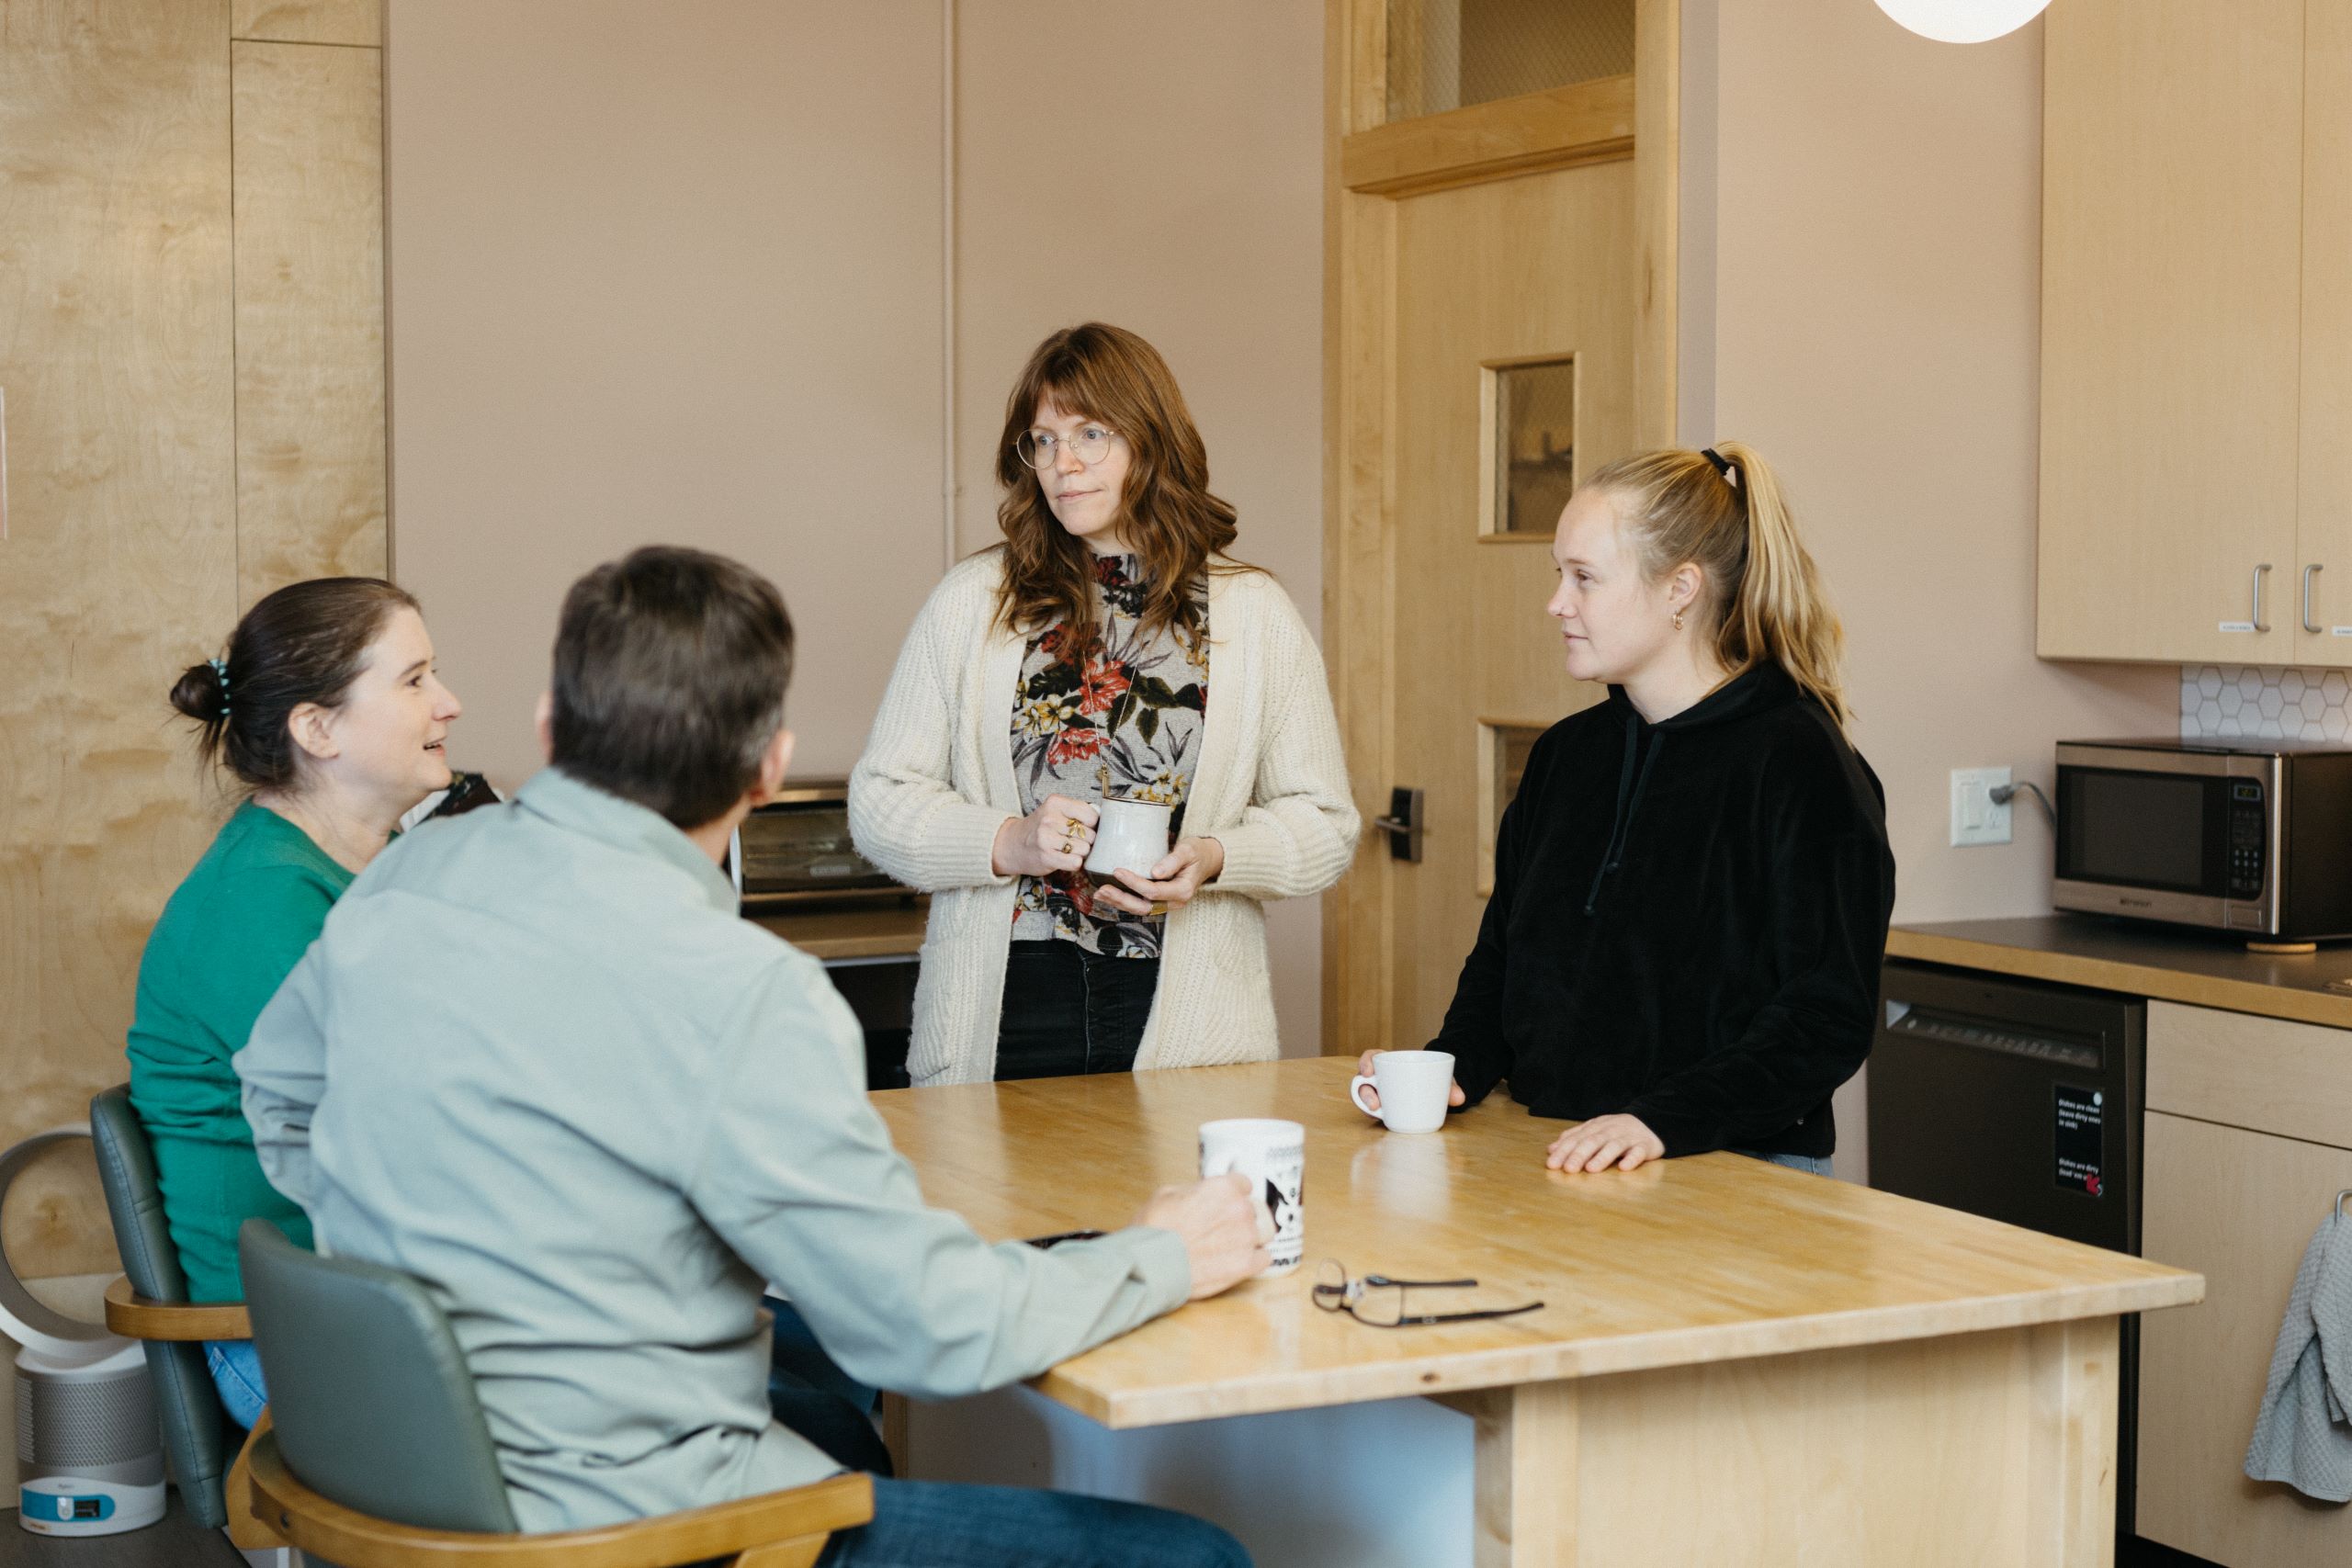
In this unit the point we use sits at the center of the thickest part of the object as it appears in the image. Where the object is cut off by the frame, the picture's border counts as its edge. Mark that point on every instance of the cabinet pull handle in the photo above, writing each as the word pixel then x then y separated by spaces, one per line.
pixel 2257 596
pixel 2307 573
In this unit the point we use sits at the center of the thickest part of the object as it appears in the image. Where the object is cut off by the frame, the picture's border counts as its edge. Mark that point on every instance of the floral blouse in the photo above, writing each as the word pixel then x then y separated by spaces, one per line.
pixel 1119 717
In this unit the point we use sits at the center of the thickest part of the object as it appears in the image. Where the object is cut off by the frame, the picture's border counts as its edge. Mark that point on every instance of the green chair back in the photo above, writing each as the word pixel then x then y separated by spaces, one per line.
pixel 369 1394
pixel 198 1436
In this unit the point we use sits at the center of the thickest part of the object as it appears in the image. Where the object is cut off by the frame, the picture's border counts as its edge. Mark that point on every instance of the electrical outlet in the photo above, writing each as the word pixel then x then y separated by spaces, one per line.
pixel 1976 820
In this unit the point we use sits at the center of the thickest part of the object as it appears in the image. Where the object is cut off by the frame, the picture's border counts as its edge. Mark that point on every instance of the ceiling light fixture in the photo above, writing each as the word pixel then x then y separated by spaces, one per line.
pixel 1962 21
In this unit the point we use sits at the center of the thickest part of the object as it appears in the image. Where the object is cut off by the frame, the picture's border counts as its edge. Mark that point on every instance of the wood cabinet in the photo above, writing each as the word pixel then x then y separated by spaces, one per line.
pixel 2197 331
pixel 2248 1140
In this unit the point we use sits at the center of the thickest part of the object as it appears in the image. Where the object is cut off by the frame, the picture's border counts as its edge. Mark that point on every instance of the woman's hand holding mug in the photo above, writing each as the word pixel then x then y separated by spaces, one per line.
pixel 1370 1104
pixel 1174 882
pixel 1053 837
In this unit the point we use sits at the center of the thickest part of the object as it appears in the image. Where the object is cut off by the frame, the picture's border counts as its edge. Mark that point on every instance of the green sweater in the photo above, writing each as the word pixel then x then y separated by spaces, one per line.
pixel 231 934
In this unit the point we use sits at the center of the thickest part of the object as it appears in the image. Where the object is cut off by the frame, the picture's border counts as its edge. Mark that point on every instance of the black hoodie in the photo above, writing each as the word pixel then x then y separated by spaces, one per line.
pixel 1687 924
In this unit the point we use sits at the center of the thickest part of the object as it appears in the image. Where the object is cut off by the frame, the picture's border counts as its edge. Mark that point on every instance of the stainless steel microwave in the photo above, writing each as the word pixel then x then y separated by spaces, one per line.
pixel 2251 838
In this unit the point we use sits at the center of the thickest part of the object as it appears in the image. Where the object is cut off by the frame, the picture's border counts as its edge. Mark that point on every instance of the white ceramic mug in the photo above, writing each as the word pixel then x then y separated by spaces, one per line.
pixel 1414 1087
pixel 1273 1155
pixel 1131 835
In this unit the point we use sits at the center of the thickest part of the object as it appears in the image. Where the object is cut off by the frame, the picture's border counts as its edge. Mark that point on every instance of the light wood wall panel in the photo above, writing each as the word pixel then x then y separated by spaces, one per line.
pixel 312 21
pixel 310 307
pixel 115 352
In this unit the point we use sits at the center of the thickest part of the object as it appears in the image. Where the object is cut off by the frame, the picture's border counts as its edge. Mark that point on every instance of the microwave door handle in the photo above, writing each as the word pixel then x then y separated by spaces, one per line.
pixel 2257 596
pixel 2309 572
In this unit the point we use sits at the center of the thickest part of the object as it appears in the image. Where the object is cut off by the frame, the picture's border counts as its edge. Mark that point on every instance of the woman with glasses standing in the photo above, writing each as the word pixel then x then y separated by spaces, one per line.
pixel 1109 650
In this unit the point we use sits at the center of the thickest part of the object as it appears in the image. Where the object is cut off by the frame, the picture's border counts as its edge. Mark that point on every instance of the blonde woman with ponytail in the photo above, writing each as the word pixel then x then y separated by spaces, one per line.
pixel 1692 886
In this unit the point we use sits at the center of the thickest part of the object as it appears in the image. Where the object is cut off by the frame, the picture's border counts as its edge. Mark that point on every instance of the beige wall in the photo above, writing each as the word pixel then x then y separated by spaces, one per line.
pixel 1878 253
pixel 687 282
pixel 1876 235
pixel 1185 202
pixel 663 275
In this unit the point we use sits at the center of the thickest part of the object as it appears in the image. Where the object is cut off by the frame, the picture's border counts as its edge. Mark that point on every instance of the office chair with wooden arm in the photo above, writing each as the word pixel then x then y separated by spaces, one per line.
pixel 150 1303
pixel 376 1454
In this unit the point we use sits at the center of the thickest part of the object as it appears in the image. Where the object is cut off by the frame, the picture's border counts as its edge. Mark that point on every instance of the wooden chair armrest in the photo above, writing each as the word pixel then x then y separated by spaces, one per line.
pixel 776 1527
pixel 247 1532
pixel 133 1316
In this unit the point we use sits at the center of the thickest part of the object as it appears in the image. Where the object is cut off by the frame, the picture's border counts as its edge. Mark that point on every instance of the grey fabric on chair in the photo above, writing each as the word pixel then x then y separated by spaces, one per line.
pixel 197 1434
pixel 369 1394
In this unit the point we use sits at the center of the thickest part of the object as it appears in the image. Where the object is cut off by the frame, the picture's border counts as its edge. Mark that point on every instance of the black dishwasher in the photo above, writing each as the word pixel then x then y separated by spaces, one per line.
pixel 2019 1100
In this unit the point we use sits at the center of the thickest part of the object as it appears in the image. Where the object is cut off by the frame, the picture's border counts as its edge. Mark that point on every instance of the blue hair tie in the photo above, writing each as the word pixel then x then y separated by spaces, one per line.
pixel 221 672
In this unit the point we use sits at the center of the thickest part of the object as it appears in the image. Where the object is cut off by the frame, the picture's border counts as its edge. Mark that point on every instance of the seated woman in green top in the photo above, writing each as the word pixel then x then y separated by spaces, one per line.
pixel 328 713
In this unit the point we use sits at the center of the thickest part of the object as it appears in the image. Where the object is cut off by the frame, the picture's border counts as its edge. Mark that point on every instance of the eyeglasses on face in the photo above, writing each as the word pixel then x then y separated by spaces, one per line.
pixel 1379 1302
pixel 1040 449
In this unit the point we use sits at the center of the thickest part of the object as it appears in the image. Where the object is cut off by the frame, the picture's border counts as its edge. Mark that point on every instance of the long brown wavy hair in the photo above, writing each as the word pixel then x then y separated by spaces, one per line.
pixel 1108 374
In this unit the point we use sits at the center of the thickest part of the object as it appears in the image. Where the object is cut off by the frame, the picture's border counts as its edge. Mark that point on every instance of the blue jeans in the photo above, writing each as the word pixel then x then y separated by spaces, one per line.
pixel 1811 1165
pixel 939 1524
pixel 809 1392
pixel 236 1373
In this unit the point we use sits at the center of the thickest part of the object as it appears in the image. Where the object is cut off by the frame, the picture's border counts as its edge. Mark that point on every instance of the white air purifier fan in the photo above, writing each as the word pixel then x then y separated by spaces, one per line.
pixel 89 1453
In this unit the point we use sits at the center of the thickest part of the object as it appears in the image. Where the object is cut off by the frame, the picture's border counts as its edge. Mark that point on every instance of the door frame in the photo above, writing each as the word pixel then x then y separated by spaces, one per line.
pixel 1367 166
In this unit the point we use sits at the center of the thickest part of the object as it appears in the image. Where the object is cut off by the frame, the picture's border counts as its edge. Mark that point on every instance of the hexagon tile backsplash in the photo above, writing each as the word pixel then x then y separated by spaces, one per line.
pixel 2234 702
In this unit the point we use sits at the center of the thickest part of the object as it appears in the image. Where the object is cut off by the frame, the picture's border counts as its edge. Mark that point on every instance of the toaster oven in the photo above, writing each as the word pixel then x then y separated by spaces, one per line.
pixel 796 850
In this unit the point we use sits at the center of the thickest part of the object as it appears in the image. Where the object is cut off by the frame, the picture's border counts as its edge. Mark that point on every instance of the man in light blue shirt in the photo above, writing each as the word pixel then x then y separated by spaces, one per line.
pixel 536 1060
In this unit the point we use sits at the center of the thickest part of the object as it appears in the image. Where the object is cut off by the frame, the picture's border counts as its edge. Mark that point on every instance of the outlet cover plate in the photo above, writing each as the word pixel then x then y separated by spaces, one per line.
pixel 1976 820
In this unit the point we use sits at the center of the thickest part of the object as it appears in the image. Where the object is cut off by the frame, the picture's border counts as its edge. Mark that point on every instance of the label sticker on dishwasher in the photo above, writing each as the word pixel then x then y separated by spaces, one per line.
pixel 2081 1136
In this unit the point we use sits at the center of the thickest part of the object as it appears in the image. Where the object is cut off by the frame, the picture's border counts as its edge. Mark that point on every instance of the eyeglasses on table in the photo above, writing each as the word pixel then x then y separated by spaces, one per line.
pixel 1379 1302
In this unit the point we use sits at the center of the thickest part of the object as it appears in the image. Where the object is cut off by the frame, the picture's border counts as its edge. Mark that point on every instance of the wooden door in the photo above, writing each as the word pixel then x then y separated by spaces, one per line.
pixel 2324 565
pixel 2172 271
pixel 1500 299
pixel 1497 284
pixel 2239 1208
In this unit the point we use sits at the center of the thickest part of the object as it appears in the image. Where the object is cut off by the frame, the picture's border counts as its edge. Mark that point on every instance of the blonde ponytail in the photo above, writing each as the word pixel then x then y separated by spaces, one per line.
pixel 1722 511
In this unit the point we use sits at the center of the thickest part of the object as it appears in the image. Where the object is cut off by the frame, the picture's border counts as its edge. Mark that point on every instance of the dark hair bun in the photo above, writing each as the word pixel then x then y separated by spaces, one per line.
pixel 305 643
pixel 197 693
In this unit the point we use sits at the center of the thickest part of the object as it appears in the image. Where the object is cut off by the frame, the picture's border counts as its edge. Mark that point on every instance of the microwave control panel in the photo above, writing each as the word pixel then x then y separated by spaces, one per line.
pixel 2248 837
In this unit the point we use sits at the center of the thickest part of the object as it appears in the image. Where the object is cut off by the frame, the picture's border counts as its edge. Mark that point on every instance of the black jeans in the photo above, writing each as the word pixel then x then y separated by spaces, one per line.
pixel 1068 1011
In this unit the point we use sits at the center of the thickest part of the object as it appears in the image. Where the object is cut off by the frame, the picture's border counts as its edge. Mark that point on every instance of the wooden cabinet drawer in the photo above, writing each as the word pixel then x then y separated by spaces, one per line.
pixel 2268 1075
pixel 2240 1208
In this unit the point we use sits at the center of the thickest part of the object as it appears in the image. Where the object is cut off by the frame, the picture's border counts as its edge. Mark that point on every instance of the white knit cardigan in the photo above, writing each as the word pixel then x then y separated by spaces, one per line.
pixel 1269 784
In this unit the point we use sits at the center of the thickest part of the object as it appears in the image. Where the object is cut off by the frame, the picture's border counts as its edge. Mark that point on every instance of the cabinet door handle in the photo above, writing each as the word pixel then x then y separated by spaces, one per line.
pixel 2309 572
pixel 2257 596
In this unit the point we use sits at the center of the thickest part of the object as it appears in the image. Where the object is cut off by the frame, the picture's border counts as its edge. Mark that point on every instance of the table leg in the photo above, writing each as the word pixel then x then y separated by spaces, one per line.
pixel 2072 1443
pixel 1524 1451
pixel 895 1432
pixel 1955 1451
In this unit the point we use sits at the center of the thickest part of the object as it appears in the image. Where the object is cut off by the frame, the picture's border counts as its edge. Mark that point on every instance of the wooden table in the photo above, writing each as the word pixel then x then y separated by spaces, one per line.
pixel 1738 1363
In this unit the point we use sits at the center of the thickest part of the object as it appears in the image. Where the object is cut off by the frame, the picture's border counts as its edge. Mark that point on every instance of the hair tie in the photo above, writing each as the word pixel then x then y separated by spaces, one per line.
pixel 221 673
pixel 1722 466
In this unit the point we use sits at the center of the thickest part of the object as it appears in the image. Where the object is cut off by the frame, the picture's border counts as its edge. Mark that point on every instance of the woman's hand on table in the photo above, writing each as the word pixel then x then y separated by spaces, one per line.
pixel 1053 837
pixel 1180 874
pixel 1223 1226
pixel 1618 1142
pixel 1453 1095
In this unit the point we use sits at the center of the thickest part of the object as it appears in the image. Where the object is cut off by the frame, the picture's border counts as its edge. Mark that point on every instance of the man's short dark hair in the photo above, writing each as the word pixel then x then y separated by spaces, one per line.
pixel 670 672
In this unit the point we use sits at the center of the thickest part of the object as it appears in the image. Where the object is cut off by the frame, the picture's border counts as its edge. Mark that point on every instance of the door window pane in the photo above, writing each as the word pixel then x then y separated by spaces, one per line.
pixel 1502 760
pixel 1531 432
pixel 1449 54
